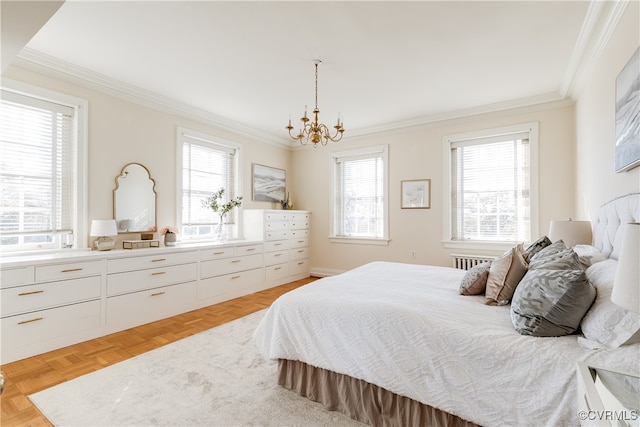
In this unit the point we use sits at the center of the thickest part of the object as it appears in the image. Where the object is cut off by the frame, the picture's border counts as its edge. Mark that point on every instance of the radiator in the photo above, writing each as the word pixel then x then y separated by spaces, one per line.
pixel 465 261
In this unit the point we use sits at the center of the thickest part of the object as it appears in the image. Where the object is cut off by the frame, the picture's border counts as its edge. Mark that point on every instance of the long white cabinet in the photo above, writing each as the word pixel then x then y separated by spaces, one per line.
pixel 286 242
pixel 51 301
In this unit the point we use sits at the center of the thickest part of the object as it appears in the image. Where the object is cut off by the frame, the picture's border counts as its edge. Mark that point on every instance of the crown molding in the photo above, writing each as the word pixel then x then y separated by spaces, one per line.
pixel 32 60
pixel 599 24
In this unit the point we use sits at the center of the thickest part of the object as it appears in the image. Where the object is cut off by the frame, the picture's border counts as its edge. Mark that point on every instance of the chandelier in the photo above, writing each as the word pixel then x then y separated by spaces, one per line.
pixel 312 130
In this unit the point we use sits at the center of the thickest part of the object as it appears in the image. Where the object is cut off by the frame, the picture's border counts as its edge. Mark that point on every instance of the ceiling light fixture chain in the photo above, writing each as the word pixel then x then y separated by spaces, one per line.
pixel 314 131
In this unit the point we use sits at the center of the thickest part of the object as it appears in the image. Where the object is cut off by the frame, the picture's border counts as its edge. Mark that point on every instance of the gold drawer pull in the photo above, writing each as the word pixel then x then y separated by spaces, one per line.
pixel 251 249
pixel 218 253
pixel 278 268
pixel 235 260
pixel 277 244
pixel 71 270
pixel 29 321
pixel 30 293
pixel 158 294
pixel 158 273
pixel 300 251
pixel 235 277
pixel 277 254
pixel 300 241
pixel 301 262
pixel 158 260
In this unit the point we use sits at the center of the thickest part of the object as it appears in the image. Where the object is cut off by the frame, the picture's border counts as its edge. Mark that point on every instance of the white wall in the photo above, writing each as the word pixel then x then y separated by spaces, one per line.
pixel 122 132
pixel 417 154
pixel 595 122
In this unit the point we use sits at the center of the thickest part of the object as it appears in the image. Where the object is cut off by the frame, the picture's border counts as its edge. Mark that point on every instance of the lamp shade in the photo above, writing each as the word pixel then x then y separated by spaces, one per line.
pixel 103 227
pixel 570 232
pixel 626 286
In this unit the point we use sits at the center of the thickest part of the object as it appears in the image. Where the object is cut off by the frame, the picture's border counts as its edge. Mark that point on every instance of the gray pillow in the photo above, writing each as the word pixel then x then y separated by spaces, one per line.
pixel 536 247
pixel 474 281
pixel 551 303
pixel 550 250
pixel 566 259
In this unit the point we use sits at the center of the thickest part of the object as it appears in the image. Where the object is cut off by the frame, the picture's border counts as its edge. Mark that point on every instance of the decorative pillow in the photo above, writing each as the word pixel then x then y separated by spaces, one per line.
pixel 607 323
pixel 550 250
pixel 474 281
pixel 589 255
pixel 566 259
pixel 505 273
pixel 551 303
pixel 536 247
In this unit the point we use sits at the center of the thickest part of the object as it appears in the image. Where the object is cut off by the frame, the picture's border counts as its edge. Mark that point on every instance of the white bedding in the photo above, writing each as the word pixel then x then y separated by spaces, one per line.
pixel 405 328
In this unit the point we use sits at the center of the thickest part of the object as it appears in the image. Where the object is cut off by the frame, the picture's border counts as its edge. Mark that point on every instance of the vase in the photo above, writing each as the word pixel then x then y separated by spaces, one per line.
pixel 221 232
pixel 170 239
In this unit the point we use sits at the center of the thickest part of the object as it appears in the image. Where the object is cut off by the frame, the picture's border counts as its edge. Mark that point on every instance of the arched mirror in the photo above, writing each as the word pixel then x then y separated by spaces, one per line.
pixel 134 200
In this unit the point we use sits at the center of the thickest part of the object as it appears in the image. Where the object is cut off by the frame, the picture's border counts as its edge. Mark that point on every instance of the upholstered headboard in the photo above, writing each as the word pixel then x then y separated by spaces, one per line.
pixel 607 230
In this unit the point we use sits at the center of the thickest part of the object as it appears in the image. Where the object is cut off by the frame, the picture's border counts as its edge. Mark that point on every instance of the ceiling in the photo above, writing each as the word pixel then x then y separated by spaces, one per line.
pixel 249 66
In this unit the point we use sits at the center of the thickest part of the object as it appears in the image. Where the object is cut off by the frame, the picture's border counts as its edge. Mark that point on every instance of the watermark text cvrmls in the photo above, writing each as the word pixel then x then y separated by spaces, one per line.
pixel 623 415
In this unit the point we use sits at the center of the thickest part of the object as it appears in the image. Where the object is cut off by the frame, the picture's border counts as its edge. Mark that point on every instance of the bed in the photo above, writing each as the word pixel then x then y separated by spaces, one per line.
pixel 397 344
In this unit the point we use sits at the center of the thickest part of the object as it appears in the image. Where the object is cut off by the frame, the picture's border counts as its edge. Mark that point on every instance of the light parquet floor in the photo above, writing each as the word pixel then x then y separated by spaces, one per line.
pixel 28 376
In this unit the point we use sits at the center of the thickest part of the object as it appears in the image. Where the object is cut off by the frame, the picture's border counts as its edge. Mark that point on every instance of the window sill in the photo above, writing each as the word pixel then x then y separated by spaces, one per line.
pixel 479 245
pixel 359 240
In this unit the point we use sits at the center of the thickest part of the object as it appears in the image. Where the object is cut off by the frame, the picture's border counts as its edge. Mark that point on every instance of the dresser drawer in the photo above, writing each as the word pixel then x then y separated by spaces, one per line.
pixel 132 281
pixel 15 277
pixel 276 245
pixel 43 295
pixel 276 235
pixel 46 325
pixel 299 267
pixel 276 273
pixel 222 288
pixel 47 273
pixel 276 216
pixel 301 242
pixel 150 261
pixel 300 217
pixel 216 253
pixel 126 311
pixel 298 234
pixel 276 225
pixel 248 250
pixel 280 257
pixel 299 225
pixel 299 253
pixel 221 267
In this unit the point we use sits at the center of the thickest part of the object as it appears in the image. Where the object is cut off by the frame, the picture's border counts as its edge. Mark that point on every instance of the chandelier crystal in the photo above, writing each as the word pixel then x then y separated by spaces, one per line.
pixel 312 130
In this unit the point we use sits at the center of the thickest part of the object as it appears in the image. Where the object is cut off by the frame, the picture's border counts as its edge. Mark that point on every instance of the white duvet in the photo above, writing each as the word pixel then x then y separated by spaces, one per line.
pixel 406 328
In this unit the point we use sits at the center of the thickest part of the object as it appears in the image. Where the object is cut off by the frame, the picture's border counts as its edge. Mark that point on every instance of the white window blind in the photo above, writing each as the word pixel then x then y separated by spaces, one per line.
pixel 36 173
pixel 490 194
pixel 207 166
pixel 360 194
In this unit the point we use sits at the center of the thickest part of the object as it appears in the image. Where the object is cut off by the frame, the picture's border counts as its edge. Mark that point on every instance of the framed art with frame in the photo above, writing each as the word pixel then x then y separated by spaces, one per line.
pixel 415 194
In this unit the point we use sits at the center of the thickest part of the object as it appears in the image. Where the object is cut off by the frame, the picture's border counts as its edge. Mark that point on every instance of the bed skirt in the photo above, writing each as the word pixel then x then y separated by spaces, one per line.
pixel 360 400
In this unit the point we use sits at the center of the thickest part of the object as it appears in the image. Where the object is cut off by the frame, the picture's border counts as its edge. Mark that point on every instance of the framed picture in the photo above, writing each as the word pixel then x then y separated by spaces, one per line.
pixel 627 152
pixel 268 183
pixel 415 194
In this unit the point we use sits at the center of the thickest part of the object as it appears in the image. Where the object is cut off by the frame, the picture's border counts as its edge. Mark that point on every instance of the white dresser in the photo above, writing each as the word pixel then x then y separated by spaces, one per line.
pixel 51 301
pixel 286 242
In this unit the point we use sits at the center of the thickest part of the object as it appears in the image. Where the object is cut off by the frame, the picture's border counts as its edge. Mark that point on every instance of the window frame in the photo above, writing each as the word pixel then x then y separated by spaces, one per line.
pixel 181 133
pixel 79 162
pixel 447 141
pixel 333 237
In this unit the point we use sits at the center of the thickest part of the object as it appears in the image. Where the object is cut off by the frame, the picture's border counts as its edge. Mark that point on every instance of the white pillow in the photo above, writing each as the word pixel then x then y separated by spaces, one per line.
pixel 588 255
pixel 606 322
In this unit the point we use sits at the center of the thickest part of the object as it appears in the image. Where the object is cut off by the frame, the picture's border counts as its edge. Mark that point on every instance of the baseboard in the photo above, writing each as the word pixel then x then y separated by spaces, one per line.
pixel 324 272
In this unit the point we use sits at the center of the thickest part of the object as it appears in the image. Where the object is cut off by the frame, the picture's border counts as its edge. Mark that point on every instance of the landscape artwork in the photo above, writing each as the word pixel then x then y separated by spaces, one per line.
pixel 627 153
pixel 268 183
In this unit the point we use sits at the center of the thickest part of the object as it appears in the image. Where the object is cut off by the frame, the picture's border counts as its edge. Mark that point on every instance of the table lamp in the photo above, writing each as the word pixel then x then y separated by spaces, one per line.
pixel 103 229
pixel 626 285
pixel 570 232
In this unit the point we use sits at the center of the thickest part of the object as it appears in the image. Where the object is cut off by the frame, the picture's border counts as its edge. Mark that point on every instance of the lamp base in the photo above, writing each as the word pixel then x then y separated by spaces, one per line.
pixel 104 243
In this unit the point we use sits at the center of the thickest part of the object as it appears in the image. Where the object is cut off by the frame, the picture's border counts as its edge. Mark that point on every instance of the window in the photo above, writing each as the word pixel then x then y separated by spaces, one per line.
pixel 206 165
pixel 42 182
pixel 360 196
pixel 492 194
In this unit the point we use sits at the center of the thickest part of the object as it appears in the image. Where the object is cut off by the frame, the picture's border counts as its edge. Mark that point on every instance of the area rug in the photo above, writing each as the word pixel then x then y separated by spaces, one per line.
pixel 214 378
